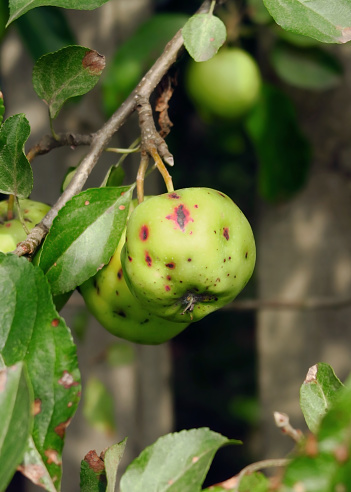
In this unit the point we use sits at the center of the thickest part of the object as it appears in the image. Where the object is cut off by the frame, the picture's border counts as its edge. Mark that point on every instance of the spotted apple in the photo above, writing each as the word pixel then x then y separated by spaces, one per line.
pixel 188 253
pixel 110 301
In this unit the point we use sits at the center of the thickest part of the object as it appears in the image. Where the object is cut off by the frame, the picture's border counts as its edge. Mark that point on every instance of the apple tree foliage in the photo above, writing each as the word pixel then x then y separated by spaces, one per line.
pixel 39 375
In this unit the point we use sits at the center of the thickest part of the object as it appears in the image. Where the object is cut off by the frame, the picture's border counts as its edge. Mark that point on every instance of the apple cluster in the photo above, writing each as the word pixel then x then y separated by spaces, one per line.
pixel 182 256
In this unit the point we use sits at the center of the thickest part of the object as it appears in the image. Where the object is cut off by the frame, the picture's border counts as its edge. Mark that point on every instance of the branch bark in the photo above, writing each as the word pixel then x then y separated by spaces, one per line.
pixel 101 138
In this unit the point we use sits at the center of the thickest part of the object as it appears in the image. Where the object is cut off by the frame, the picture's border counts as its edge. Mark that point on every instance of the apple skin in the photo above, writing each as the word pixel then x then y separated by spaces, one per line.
pixel 11 231
pixel 110 301
pixel 225 87
pixel 188 253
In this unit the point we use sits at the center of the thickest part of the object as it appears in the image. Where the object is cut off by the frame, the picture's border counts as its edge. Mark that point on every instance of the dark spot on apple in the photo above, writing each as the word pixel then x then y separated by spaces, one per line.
pixel 169 277
pixel 189 259
pixel 219 193
pixel 226 233
pixel 224 260
pixel 246 254
pixel 170 265
pixel 174 195
pixel 121 313
pixel 148 259
pixel 181 217
pixel 229 258
pixel 117 293
pixel 130 258
pixel 120 273
pixel 55 322
pixel 8 224
pixel 144 233
pixel 196 206
pixel 167 288
pixel 145 321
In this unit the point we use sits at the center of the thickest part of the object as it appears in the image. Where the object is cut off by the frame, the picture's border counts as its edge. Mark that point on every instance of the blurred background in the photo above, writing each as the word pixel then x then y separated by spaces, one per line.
pixel 286 162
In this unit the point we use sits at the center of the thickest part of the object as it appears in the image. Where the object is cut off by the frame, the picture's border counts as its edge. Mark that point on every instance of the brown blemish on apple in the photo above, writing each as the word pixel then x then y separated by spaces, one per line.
pixel 55 322
pixel 148 259
pixel 226 233
pixel 94 62
pixel 170 265
pixel 174 195
pixel 181 217
pixel 167 288
pixel 130 258
pixel 144 233
pixel 120 273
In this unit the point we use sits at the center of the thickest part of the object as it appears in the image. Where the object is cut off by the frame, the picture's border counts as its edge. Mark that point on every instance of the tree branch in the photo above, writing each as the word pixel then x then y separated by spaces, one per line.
pixel 101 138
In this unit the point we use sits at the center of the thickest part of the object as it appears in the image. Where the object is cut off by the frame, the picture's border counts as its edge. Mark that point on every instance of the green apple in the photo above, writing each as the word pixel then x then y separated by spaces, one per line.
pixel 187 253
pixel 110 301
pixel 12 231
pixel 226 86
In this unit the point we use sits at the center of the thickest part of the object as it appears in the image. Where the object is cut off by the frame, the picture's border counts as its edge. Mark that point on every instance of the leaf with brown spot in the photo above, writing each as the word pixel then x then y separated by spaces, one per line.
pixel 69 72
pixel 26 313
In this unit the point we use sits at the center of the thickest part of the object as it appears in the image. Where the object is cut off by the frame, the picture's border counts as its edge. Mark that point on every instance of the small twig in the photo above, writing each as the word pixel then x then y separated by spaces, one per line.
pixel 282 421
pixel 144 162
pixel 48 143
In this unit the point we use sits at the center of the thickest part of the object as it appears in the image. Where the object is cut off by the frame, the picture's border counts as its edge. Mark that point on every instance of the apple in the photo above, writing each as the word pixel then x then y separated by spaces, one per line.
pixel 225 87
pixel 12 231
pixel 187 253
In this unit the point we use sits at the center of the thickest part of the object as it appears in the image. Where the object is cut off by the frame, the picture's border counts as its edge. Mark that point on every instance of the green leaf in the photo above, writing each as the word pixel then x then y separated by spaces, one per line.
pixel 113 456
pixel 175 462
pixel 136 56
pixel 16 177
pixel 319 390
pixel 69 72
pixel 282 151
pixel 98 407
pixel 311 68
pixel 324 20
pixel 84 236
pixel 16 419
pixel 203 35
pixel 45 30
pixel 32 331
pixel 92 473
pixel 2 107
pixel 20 7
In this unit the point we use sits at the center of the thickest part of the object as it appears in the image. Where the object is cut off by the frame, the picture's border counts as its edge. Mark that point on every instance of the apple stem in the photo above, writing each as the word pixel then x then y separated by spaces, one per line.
pixel 144 162
pixel 10 205
pixel 20 216
pixel 167 178
pixel 212 6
